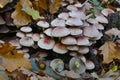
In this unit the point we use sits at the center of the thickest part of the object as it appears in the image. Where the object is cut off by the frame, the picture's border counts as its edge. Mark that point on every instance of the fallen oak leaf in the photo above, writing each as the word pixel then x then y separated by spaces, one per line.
pixel 55 5
pixel 20 18
pixel 108 49
pixel 11 59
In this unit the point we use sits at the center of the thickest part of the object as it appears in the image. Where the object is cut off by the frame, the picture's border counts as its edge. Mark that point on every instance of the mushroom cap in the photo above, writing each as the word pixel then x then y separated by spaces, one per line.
pixel 101 19
pixel 58 22
pixel 72 8
pixel 92 21
pixel 69 40
pixel 43 24
pixel 46 43
pixel 74 22
pixel 89 65
pixel 72 53
pixel 57 65
pixel 78 14
pixel 99 26
pixel 27 41
pixel 20 34
pixel 75 31
pixel 107 11
pixel 72 74
pixel 15 42
pixel 83 49
pixel 29 34
pixel 79 5
pixel 26 29
pixel 60 32
pixel 82 58
pixel 73 47
pixel 60 48
pixel 36 36
pixel 83 41
pixel 63 15
pixel 90 31
pixel 4 29
pixel 77 65
pixel 48 32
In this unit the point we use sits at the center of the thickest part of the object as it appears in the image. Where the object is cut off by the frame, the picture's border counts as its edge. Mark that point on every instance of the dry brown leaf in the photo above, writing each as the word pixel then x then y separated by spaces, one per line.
pixel 55 5
pixel 108 50
pixel 43 4
pixel 3 3
pixel 20 18
pixel 11 59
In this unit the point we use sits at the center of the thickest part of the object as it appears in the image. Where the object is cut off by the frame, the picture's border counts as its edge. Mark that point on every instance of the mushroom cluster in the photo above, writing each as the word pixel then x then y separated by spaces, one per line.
pixel 72 32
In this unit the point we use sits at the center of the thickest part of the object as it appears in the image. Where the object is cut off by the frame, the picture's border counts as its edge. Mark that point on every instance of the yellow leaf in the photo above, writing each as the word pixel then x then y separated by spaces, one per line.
pixel 55 5
pixel 108 50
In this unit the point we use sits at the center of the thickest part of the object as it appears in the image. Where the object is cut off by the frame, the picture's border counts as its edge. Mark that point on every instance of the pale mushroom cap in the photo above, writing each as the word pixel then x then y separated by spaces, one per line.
pixel 46 43
pixel 78 14
pixel 63 15
pixel 101 19
pixel 72 74
pixel 73 53
pixel 72 8
pixel 77 65
pixel 58 22
pixel 36 36
pixel 20 34
pixel 83 41
pixel 73 47
pixel 107 11
pixel 90 31
pixel 69 40
pixel 82 58
pixel 60 32
pixel 83 49
pixel 16 43
pixel 79 5
pixel 48 32
pixel 43 24
pixel 89 65
pixel 26 41
pixel 26 29
pixel 60 48
pixel 57 65
pixel 29 34
pixel 99 26
pixel 75 31
pixel 74 22
pixel 93 21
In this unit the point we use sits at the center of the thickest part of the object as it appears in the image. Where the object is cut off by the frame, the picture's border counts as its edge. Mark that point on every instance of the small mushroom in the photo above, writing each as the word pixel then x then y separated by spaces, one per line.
pixel 15 42
pixel 4 29
pixel 82 58
pixel 58 22
pixel 29 35
pixel 92 21
pixel 43 24
pixel 90 31
pixel 35 36
pixel 73 47
pixel 75 31
pixel 72 8
pixel 48 32
pixel 26 29
pixel 72 74
pixel 83 49
pixel 107 11
pixel 79 5
pixel 60 48
pixel 26 41
pixel 99 26
pixel 74 22
pixel 89 65
pixel 46 43
pixel 73 53
pixel 77 65
pixel 100 18
pixel 57 65
pixel 83 41
pixel 63 15
pixel 78 14
pixel 20 34
pixel 60 32
pixel 69 40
